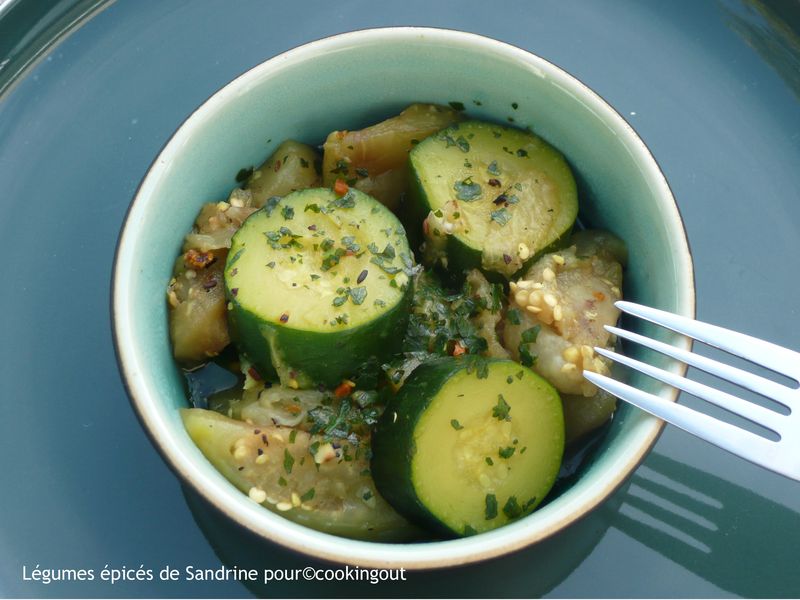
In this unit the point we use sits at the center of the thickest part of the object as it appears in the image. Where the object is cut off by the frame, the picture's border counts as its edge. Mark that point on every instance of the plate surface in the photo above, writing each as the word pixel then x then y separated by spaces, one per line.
pixel 712 88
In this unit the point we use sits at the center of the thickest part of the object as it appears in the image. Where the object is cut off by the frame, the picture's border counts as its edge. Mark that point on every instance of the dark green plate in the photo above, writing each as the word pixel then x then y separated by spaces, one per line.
pixel 712 87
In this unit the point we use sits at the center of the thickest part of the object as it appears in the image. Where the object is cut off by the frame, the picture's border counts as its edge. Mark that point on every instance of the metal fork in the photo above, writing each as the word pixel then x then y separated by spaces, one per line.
pixel 781 456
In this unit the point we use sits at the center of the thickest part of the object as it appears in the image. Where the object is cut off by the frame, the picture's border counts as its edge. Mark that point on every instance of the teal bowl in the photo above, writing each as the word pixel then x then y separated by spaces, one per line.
pixel 345 82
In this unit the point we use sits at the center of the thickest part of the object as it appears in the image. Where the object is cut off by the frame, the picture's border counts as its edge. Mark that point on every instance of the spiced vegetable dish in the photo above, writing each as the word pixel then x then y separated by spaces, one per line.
pixel 403 314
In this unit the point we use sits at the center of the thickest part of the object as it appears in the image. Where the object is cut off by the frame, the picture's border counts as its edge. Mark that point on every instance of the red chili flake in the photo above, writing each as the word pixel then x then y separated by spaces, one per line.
pixel 264 439
pixel 506 259
pixel 494 182
pixel 362 276
pixel 349 253
pixel 425 227
pixel 277 166
pixel 500 199
pixel 198 260
pixel 234 291
pixel 256 431
pixel 254 374
pixel 599 295
pixel 344 389
pixel 458 349
pixel 210 283
pixel 284 317
pixel 340 187
pixel 260 451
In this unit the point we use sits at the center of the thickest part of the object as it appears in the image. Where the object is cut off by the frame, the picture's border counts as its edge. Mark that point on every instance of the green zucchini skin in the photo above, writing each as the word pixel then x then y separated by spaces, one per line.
pixel 307 348
pixel 395 438
pixel 316 357
pixel 540 161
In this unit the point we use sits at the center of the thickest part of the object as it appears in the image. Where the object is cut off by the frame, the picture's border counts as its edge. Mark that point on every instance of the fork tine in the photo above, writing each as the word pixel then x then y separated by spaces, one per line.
pixel 737 441
pixel 760 385
pixel 773 357
pixel 752 412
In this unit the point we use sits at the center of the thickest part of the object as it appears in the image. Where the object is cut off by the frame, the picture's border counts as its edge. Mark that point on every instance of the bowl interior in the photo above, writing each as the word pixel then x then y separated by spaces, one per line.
pixel 347 82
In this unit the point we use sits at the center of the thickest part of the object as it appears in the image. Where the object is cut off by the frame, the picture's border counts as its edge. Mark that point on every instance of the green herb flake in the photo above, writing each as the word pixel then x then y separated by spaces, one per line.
pixel 281 481
pixel 293 436
pixel 491 507
pixel 501 410
pixel 513 316
pixel 509 379
pixel 467 190
pixel 358 294
pixel 455 424
pixel 459 106
pixel 512 509
pixel 529 504
pixel 462 143
pixel 339 300
pixel 304 163
pixel 341 167
pixel 493 168
pixel 522 153
pixel 520 375
pixel 271 204
pixel 522 450
pixel 314 276
pixel 287 212
pixel 526 358
pixel 501 216
pixel 470 530
pixel 529 335
pixel 288 461
pixel 309 495
pixel 506 453
pixel 514 105
pixel 312 207
pixel 489 461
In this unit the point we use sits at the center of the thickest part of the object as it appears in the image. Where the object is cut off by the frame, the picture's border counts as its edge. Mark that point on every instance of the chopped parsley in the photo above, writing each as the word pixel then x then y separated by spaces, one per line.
pixel 467 190
pixel 529 335
pixel 526 358
pixel 271 204
pixel 287 212
pixel 489 461
pixel 493 168
pixel 309 495
pixel 512 509
pixel 470 530
pixel 288 461
pixel 491 507
pixel 506 453
pixel 501 411
pixel 501 216
pixel 358 294
pixel 456 425
pixel 459 106
pixel 513 316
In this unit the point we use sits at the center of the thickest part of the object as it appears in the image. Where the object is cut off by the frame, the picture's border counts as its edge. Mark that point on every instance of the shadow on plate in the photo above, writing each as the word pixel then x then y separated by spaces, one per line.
pixel 530 573
pixel 728 535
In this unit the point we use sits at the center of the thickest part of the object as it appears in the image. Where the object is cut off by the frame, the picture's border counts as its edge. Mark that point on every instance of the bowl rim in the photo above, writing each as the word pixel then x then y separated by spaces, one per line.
pixel 427 555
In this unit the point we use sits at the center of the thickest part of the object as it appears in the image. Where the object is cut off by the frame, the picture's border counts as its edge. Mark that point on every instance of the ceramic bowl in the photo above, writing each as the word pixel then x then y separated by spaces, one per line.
pixel 346 82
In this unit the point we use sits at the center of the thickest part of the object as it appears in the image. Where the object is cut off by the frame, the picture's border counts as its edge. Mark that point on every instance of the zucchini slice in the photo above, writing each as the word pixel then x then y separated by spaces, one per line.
pixel 300 476
pixel 468 445
pixel 493 197
pixel 318 286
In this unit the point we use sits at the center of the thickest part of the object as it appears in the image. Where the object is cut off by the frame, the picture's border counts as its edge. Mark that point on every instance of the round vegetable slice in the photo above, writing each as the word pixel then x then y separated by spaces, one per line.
pixel 318 286
pixel 300 476
pixel 493 197
pixel 468 445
